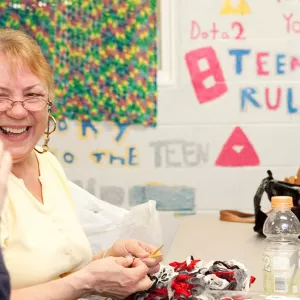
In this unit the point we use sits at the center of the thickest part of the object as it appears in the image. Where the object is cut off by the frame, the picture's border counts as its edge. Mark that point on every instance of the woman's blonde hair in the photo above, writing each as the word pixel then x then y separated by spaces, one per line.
pixel 20 47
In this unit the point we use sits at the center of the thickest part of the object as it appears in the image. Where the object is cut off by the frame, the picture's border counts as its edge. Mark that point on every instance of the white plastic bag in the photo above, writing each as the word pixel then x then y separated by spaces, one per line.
pixel 104 223
pixel 143 223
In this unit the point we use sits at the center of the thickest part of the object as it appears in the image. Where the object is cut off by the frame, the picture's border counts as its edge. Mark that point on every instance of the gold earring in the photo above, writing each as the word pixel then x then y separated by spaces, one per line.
pixel 47 132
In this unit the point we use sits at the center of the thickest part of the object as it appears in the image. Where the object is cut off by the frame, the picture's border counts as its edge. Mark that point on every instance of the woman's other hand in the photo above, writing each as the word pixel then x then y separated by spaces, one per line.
pixel 136 248
pixel 116 277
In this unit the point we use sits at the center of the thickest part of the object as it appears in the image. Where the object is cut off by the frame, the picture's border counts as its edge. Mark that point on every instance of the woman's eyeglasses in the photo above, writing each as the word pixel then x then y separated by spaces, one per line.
pixel 30 103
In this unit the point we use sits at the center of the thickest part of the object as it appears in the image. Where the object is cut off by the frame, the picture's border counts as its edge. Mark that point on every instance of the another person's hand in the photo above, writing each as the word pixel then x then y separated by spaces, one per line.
pixel 136 248
pixel 115 277
pixel 5 167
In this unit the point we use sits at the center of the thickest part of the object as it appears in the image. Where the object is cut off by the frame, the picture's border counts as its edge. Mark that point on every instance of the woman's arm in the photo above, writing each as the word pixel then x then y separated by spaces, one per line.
pixel 69 288
pixel 112 277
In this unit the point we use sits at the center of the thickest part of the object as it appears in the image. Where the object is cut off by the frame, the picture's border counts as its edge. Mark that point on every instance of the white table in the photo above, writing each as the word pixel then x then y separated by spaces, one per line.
pixel 207 238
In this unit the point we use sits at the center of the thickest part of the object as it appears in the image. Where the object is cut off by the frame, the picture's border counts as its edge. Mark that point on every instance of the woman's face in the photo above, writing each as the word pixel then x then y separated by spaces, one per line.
pixel 20 130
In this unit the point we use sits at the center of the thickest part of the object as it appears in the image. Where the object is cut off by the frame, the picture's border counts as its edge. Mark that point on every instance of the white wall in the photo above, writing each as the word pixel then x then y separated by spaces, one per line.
pixel 182 152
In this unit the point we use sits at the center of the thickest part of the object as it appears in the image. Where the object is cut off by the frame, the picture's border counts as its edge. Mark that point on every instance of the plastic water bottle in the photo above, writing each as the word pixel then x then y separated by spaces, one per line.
pixel 281 255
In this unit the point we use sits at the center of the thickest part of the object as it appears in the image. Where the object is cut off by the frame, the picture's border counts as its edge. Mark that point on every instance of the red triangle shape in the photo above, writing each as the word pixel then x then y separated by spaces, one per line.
pixel 231 157
pixel 295 63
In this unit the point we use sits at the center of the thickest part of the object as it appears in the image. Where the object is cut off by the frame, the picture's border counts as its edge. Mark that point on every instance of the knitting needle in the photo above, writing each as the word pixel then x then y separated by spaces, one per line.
pixel 155 254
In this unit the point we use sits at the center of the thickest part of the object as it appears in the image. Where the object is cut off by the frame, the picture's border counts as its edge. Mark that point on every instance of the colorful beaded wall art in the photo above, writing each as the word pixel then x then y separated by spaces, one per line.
pixel 103 53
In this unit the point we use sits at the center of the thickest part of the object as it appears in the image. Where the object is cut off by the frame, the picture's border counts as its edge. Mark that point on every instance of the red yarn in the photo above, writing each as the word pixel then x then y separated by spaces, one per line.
pixel 180 286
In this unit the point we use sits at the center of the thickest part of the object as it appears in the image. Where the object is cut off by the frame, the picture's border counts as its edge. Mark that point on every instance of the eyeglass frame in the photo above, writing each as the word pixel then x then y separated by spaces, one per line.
pixel 47 101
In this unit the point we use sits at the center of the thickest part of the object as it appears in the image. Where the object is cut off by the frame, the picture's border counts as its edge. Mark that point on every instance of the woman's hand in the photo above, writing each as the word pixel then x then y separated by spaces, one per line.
pixel 124 247
pixel 115 277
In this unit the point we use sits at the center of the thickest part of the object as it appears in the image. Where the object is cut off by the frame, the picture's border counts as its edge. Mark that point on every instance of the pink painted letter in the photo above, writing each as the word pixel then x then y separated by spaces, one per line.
pixel 212 74
pixel 195 31
pixel 260 63
pixel 278 98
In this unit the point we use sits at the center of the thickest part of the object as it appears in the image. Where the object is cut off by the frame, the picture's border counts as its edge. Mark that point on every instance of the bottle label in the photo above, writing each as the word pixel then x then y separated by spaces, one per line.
pixel 281 272
pixel 281 263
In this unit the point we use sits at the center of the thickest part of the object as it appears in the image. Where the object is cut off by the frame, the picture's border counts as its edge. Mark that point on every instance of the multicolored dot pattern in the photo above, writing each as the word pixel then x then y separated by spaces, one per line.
pixel 103 54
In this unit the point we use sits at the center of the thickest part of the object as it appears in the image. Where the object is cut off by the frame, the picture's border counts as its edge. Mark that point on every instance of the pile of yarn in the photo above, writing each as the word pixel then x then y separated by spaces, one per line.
pixel 192 279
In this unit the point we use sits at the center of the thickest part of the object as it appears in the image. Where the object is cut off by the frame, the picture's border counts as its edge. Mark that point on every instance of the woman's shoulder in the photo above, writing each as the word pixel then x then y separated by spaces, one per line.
pixel 50 158
pixel 50 166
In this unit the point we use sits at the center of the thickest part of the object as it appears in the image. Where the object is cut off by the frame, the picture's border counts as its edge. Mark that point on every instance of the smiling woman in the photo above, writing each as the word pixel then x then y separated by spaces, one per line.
pixel 30 106
pixel 41 238
pixel 25 83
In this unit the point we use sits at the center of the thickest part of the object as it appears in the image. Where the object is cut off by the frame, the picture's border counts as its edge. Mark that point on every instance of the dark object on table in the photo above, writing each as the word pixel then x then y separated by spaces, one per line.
pixel 289 187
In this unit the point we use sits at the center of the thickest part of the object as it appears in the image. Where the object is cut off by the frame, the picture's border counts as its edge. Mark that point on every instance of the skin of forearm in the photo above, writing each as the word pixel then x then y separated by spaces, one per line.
pixel 69 288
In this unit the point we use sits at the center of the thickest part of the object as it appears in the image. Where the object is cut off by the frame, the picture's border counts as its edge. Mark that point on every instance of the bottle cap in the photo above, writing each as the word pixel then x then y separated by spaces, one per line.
pixel 282 202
